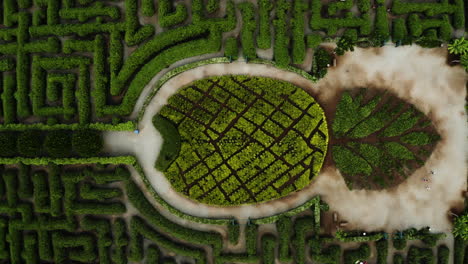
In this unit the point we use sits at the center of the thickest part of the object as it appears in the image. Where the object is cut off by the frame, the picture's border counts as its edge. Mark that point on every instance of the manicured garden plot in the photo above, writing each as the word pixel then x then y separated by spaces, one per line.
pixel 242 139
pixel 72 65
pixel 379 140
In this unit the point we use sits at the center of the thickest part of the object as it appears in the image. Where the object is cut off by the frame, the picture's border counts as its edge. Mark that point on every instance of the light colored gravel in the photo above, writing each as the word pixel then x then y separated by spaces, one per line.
pixel 420 76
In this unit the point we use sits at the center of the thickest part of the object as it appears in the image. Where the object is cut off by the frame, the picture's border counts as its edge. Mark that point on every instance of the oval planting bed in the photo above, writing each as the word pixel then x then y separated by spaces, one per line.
pixel 234 140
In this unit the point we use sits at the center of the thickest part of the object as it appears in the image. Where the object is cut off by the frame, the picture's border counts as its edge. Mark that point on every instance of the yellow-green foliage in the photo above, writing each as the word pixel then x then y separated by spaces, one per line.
pixel 245 139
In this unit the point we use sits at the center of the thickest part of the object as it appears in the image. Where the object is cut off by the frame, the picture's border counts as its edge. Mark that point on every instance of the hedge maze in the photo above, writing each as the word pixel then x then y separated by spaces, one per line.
pixel 73 68
pixel 80 214
pixel 241 139
pixel 79 61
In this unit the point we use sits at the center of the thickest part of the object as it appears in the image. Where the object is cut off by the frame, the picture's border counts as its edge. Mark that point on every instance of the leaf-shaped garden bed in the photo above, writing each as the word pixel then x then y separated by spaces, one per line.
pixel 379 140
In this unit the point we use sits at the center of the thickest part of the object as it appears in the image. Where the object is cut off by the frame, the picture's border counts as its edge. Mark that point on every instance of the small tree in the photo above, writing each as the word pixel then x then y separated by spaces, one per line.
pixel 460 226
pixel 458 47
pixel 343 45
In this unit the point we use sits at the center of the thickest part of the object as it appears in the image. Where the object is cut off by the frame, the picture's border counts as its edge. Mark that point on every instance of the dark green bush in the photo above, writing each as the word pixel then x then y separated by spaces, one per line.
pixel 7 144
pixel 248 29
pixel 284 226
pixel 58 144
pixel 398 259
pixel 171 142
pixel 420 255
pixel 301 227
pixel 443 254
pixel 382 251
pixel 230 48
pixel 29 143
pixel 251 231
pixel 233 232
pixel 298 26
pixel 281 51
pixel 360 253
pixel 87 143
pixel 268 249
pixel 264 34
pixel 321 59
pixel 399 243
pixel 459 250
pixel 166 18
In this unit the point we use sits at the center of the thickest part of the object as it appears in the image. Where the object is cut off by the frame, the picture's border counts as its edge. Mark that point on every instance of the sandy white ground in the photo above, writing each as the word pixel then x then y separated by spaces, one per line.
pixel 420 76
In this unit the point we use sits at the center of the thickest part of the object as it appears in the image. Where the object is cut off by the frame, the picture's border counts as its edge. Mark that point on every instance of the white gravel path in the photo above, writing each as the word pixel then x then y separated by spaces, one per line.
pixel 418 75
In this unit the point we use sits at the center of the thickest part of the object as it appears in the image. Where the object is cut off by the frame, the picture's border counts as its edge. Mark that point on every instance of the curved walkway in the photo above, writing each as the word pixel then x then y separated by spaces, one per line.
pixel 418 75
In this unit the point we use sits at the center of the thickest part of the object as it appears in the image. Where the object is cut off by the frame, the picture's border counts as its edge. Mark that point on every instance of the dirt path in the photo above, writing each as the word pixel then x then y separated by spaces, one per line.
pixel 420 76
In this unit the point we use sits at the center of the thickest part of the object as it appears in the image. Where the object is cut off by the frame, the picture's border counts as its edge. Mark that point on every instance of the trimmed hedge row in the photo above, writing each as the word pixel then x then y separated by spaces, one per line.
pixel 419 255
pixel 249 24
pixel 360 253
pixel 320 63
pixel 264 33
pixel 233 232
pixel 57 143
pixel 165 18
pixel 301 227
pixel 138 200
pixel 284 226
pixel 280 49
pixel 268 249
pixel 382 251
pixel 298 26
pixel 443 254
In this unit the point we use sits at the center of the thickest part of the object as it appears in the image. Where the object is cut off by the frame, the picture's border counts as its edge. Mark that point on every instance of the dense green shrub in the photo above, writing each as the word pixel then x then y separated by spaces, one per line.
pixel 230 48
pixel 364 5
pixel 281 54
pixel 301 227
pixel 420 255
pixel 313 40
pixel 166 19
pixel 233 232
pixel 382 251
pixel 171 142
pixel 360 253
pixel 399 243
pixel 87 143
pixel 251 231
pixel 459 250
pixel 264 33
pixel 8 144
pixel 329 255
pixel 298 25
pixel 398 259
pixel 321 61
pixel 29 143
pixel 284 226
pixel 268 249
pixel 248 29
pixel 443 254
pixel 58 143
